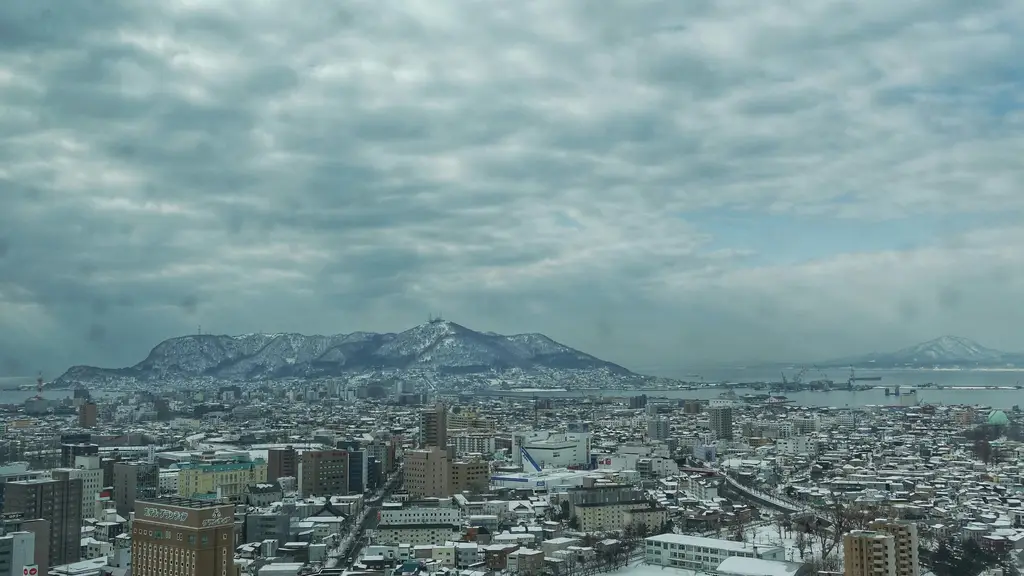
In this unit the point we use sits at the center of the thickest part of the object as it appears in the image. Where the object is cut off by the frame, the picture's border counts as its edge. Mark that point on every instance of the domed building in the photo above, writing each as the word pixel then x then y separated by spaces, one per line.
pixel 998 418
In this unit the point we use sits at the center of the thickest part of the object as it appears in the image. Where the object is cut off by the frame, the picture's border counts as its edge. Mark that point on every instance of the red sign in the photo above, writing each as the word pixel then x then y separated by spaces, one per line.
pixel 32 570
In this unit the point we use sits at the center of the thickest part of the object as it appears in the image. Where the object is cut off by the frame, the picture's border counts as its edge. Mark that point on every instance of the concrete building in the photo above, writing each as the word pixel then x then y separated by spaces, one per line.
pixel 87 469
pixel 183 537
pixel 40 529
pixel 434 427
pixel 721 421
pixel 134 480
pixel 87 415
pixel 535 451
pixel 427 473
pixel 697 553
pixel 869 553
pixel 468 476
pixel 282 462
pixel 228 480
pixel 418 512
pixel 17 550
pixel 658 429
pixel 905 541
pixel 59 502
pixel 604 517
pixel 323 473
pixel 15 472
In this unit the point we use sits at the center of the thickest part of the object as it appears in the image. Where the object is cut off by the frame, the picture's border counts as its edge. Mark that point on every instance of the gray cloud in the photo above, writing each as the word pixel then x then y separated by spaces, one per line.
pixel 518 166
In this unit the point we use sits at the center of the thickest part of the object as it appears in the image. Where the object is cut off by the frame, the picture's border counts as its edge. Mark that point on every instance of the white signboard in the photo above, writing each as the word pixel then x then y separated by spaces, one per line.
pixel 165 514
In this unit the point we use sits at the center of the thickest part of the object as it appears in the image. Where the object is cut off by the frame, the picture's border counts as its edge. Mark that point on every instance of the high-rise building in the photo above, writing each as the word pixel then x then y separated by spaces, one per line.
pixel 869 553
pixel 87 415
pixel 721 421
pixel 658 429
pixel 69 451
pixel 426 473
pixel 183 537
pixel 323 473
pixel 904 535
pixel 358 470
pixel 59 502
pixel 133 480
pixel 282 462
pixel 87 469
pixel 434 426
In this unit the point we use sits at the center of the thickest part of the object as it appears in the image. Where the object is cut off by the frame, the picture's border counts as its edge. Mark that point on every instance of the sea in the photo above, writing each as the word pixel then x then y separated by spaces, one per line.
pixel 994 388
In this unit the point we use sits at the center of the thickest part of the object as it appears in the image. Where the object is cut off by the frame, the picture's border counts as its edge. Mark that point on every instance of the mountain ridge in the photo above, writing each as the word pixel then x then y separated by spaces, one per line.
pixel 442 346
pixel 942 352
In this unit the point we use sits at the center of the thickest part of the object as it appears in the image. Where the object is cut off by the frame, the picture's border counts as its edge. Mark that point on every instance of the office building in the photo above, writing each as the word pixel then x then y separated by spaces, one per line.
pixel 470 475
pixel 434 427
pixel 17 550
pixel 721 421
pixel 71 450
pixel 220 479
pixel 426 473
pixel 87 469
pixel 183 537
pixel 59 502
pixel 40 530
pixel 14 472
pixel 87 415
pixel 358 471
pixel 133 480
pixel 869 553
pixel 323 473
pixel 281 463
pixel 658 429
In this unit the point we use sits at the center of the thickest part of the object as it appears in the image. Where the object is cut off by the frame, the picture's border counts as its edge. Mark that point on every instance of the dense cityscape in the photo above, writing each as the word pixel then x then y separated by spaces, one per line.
pixel 359 478
pixel 511 288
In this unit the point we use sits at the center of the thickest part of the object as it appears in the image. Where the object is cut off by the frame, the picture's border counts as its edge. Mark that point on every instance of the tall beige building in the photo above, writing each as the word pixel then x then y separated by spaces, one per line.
pixel 426 473
pixel 869 553
pixel 904 535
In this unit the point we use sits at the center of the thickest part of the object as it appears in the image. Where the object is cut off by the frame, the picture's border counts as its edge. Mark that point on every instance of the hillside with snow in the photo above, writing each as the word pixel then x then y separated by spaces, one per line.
pixel 945 351
pixel 444 347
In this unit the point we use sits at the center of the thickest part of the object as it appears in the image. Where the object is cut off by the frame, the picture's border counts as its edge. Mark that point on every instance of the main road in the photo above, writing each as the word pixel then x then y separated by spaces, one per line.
pixel 349 547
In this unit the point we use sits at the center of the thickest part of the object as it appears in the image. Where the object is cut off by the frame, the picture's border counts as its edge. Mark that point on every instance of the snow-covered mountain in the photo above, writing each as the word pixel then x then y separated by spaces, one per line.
pixel 942 351
pixel 443 346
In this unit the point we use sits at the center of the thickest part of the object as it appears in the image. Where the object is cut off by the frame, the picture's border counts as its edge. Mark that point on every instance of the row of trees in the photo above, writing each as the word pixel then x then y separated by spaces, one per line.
pixel 955 558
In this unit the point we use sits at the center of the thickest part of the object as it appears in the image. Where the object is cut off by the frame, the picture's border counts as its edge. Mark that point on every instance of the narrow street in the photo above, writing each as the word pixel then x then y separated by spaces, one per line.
pixel 349 547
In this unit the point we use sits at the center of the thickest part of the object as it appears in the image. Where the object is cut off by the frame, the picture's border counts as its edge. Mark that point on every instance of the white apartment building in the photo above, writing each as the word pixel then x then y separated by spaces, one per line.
pixel 470 443
pixel 409 513
pixel 796 445
pixel 696 553
pixel 416 534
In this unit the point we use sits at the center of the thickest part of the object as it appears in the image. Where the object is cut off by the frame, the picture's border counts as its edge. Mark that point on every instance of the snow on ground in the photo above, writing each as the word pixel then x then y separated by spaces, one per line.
pixel 768 534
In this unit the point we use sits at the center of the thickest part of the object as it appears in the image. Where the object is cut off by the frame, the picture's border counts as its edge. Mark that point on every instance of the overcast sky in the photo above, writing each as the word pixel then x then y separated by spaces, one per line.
pixel 659 183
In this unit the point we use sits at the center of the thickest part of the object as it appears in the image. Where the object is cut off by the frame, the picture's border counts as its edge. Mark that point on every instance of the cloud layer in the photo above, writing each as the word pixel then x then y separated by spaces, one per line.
pixel 659 183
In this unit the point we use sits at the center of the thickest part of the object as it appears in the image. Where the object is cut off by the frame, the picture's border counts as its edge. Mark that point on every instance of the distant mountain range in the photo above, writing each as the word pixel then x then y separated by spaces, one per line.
pixel 942 352
pixel 438 345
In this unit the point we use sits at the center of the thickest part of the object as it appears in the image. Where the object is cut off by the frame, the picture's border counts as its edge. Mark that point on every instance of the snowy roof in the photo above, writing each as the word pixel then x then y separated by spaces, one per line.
pixel 738 566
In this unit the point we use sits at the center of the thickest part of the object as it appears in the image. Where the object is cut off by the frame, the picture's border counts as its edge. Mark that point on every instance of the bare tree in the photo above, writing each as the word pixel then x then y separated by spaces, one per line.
pixel 801 544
